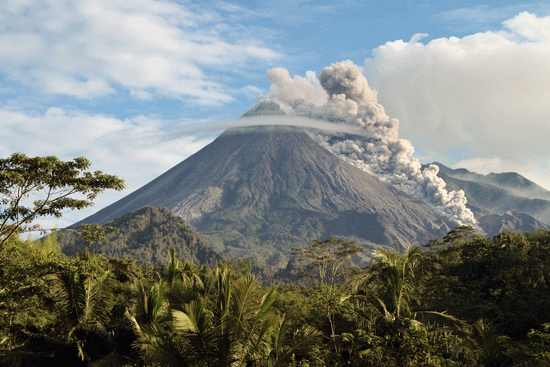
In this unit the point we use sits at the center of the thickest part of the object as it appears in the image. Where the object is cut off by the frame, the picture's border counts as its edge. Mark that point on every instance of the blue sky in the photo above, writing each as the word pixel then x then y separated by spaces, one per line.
pixel 136 85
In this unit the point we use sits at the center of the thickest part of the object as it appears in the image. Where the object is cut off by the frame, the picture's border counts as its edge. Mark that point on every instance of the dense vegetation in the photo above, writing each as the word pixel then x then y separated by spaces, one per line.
pixel 146 235
pixel 461 301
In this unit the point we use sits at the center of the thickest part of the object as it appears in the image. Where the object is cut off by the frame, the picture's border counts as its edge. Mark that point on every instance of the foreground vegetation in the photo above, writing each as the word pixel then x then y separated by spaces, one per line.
pixel 460 301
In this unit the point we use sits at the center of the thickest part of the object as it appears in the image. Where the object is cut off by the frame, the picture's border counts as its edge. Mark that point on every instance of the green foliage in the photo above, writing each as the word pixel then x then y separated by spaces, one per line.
pixel 23 291
pixel 88 310
pixel 55 185
pixel 505 279
pixel 392 285
pixel 329 261
pixel 387 298
pixel 539 340
pixel 147 235
pixel 95 232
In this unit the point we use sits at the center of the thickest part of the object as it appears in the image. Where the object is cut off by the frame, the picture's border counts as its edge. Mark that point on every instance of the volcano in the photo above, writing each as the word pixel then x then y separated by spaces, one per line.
pixel 261 191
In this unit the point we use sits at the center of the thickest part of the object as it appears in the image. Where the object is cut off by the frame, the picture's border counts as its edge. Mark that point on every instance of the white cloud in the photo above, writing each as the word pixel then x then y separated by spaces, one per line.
pixel 530 26
pixel 89 48
pixel 487 92
pixel 137 149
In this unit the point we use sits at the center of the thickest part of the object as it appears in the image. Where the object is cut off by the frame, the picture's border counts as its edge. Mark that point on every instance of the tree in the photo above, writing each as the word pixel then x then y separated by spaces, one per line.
pixel 236 332
pixel 79 335
pixel 329 260
pixel 484 347
pixel 83 306
pixel 284 344
pixel 55 186
pixel 385 299
pixel 505 279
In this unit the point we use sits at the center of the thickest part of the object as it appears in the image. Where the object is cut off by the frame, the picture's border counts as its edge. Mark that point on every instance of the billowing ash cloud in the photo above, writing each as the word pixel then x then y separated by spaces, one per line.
pixel 341 95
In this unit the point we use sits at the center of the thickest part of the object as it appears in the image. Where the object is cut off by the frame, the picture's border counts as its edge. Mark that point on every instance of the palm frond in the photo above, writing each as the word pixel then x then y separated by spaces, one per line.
pixel 223 277
pixel 150 306
pixel 97 301
pixel 306 340
pixel 181 292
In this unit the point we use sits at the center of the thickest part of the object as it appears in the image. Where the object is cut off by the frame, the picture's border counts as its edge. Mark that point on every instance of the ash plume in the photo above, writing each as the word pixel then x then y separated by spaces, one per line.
pixel 341 95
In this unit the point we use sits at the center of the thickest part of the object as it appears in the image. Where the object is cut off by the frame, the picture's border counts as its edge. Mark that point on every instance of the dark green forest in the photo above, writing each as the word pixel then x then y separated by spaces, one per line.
pixel 459 301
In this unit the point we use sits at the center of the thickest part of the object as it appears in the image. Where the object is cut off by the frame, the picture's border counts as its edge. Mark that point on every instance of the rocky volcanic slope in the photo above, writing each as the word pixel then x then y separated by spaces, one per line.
pixel 512 181
pixel 513 221
pixel 261 191
pixel 501 195
pixel 146 235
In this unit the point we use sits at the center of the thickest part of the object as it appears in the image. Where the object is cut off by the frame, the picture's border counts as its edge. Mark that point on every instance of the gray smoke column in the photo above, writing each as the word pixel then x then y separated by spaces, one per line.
pixel 345 79
pixel 341 95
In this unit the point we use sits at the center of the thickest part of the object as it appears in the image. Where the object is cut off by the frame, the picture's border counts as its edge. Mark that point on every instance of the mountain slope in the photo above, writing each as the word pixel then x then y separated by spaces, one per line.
pixel 146 235
pixel 513 221
pixel 261 191
pixel 511 181
pixel 498 193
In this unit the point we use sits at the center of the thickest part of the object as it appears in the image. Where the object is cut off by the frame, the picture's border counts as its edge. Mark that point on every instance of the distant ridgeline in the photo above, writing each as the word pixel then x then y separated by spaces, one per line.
pixel 501 201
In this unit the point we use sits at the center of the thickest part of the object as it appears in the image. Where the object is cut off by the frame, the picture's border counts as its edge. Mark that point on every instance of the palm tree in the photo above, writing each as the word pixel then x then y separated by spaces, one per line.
pixel 177 270
pixel 284 344
pixel 150 306
pixel 386 296
pixel 394 282
pixel 83 306
pixel 235 333
pixel 80 334
pixel 483 346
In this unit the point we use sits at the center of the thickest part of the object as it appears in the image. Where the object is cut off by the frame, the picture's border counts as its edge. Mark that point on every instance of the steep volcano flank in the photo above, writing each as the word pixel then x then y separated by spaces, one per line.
pixel 261 191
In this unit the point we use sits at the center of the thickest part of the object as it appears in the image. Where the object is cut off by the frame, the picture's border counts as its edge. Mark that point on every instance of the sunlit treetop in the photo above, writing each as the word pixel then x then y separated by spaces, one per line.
pixel 45 186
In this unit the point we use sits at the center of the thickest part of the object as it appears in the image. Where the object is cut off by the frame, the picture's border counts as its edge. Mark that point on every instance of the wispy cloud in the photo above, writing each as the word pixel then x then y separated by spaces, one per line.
pixel 91 48
pixel 490 17
pixel 136 149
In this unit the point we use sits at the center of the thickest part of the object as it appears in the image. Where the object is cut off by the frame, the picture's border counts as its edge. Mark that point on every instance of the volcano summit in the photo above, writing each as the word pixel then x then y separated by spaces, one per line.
pixel 261 191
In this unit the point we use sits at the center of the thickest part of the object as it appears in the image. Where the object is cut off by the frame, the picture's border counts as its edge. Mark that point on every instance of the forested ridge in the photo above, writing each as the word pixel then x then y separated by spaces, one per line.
pixel 458 301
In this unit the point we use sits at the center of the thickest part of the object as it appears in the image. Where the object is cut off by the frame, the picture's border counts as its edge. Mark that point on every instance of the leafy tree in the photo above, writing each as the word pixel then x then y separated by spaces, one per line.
pixel 539 341
pixel 330 263
pixel 55 186
pixel 504 279
pixel 23 290
pixel 329 260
